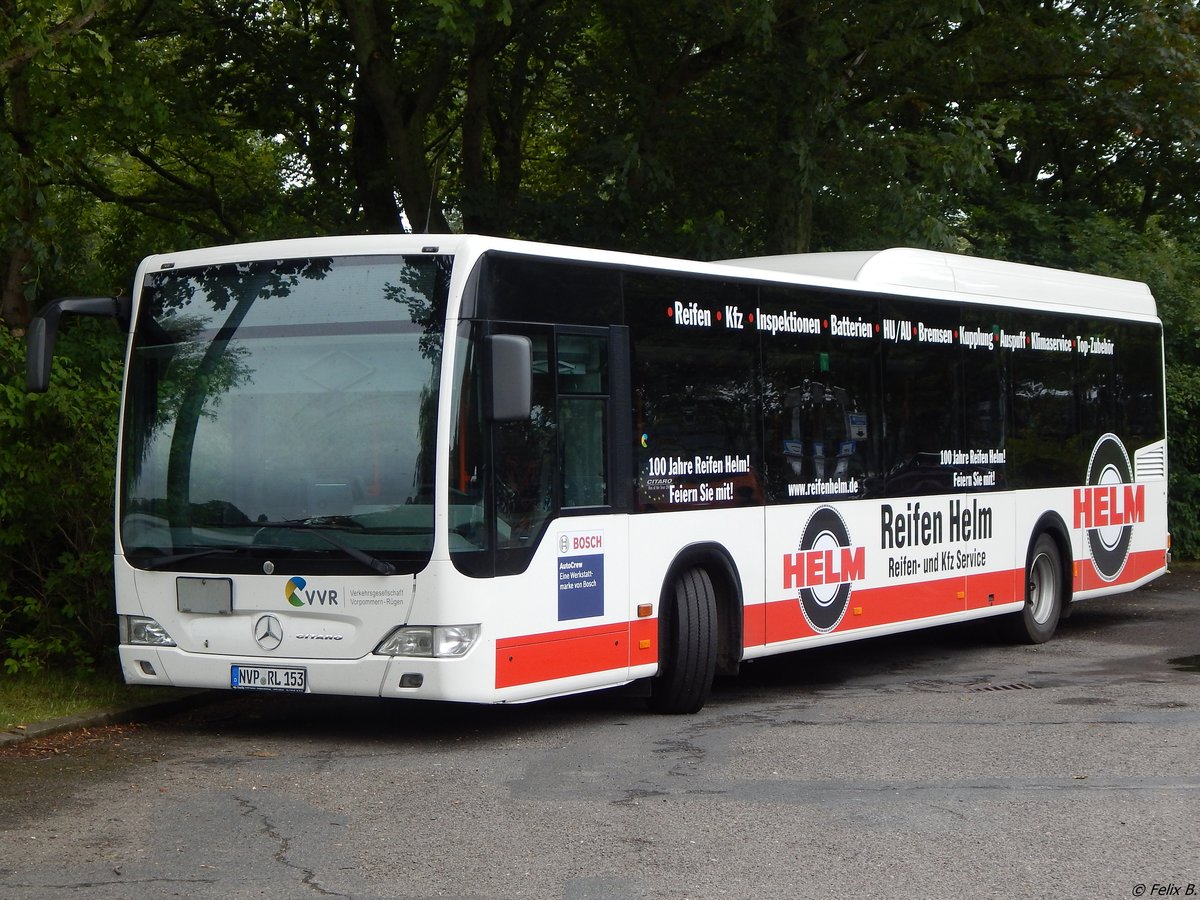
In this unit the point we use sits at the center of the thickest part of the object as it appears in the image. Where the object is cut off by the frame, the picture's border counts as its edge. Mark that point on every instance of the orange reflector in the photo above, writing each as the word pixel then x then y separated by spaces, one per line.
pixel 644 644
pixel 962 595
pixel 858 610
pixel 645 609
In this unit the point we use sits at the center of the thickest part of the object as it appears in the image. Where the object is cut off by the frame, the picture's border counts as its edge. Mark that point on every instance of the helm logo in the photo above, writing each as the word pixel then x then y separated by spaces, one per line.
pixel 824 569
pixel 1109 506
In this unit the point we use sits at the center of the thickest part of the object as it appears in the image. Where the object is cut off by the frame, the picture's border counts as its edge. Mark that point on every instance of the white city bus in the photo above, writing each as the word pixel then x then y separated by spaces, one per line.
pixel 466 468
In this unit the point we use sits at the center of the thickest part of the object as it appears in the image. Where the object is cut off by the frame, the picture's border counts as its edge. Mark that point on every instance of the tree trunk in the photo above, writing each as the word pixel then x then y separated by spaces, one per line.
pixel 372 175
pixel 15 308
pixel 403 101
pixel 789 203
pixel 478 212
pixel 791 219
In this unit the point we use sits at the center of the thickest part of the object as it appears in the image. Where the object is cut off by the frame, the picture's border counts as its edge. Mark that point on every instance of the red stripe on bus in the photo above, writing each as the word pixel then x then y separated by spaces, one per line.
pixel 893 604
pixel 1139 565
pixel 528 659
pixel 754 625
pixel 643 631
pixel 989 588
pixel 578 651
pixel 561 654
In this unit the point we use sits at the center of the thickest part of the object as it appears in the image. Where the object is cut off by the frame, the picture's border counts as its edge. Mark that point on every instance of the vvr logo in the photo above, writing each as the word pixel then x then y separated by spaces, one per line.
pixel 297 596
pixel 824 569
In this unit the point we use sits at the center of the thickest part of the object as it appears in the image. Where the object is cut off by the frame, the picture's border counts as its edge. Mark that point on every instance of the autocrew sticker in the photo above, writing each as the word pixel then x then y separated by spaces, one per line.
pixel 1109 506
pixel 823 570
pixel 580 575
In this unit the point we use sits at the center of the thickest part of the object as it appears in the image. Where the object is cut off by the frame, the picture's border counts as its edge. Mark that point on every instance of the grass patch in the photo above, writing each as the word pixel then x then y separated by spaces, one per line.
pixel 26 698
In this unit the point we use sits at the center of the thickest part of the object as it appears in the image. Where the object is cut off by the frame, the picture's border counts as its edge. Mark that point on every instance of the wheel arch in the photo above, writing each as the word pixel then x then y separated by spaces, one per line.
pixel 722 571
pixel 1051 524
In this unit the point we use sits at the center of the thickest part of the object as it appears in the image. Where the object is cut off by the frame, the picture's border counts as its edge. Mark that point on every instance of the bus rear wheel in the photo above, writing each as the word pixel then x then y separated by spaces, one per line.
pixel 688 646
pixel 1035 624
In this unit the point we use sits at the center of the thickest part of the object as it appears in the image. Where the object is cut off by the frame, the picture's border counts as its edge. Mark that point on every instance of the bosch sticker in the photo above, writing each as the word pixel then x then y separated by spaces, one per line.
pixel 580 575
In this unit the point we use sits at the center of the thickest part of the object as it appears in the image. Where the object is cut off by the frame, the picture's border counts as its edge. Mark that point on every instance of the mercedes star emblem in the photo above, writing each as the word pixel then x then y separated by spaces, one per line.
pixel 268 633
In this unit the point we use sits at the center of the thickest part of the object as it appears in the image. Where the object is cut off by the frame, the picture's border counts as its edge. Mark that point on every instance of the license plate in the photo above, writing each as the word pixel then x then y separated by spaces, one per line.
pixel 268 678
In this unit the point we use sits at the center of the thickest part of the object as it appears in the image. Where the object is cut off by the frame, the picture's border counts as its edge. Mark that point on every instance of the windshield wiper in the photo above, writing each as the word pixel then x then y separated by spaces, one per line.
pixel 169 559
pixel 315 526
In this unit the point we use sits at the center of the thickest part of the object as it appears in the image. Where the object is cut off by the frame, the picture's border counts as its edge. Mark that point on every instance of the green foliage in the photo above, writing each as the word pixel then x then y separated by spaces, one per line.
pixel 56 468
pixel 1183 422
pixel 1184 503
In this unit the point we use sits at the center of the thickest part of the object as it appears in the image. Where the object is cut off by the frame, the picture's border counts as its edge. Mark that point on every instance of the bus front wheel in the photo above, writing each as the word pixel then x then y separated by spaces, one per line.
pixel 688 645
pixel 1035 624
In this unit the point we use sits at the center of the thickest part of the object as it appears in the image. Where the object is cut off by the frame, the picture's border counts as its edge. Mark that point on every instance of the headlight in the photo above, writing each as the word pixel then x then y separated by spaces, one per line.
pixel 437 641
pixel 139 630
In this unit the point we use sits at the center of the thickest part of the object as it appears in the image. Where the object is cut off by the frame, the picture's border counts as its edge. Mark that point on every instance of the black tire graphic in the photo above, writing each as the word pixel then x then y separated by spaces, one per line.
pixel 823 616
pixel 1109 453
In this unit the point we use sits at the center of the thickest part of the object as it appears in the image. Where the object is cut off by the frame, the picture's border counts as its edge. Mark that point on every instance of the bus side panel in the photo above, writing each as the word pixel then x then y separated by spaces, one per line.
pixel 657 541
pixel 1132 553
pixel 836 569
pixel 995 571
pixel 564 625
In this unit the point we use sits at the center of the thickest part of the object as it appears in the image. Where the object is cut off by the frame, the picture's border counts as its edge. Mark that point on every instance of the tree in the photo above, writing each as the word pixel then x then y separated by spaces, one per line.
pixel 405 65
pixel 1099 114
pixel 45 53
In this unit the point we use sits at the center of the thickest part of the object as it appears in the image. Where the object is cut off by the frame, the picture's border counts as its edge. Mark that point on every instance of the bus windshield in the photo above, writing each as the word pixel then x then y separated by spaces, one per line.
pixel 333 363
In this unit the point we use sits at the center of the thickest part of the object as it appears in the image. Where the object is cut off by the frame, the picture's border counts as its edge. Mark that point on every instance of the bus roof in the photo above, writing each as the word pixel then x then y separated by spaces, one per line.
pixel 890 270
pixel 929 269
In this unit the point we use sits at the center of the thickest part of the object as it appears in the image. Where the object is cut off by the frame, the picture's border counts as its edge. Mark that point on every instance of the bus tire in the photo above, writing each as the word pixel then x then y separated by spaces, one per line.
pixel 1037 621
pixel 689 646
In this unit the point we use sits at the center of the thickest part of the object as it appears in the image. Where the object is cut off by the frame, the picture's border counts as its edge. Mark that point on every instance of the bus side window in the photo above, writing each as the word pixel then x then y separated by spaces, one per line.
pixel 583 409
pixel 821 400
pixel 696 393
pixel 1137 392
pixel 1044 415
pixel 922 397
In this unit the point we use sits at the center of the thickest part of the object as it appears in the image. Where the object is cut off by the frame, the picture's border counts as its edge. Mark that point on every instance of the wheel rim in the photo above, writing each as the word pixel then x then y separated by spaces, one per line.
pixel 1042 589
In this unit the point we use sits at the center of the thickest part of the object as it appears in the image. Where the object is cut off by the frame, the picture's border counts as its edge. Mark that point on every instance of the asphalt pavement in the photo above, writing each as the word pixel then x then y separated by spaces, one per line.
pixel 942 764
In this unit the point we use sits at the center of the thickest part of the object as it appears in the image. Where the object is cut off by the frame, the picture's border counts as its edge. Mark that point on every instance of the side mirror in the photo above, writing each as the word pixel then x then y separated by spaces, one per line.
pixel 43 331
pixel 511 371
